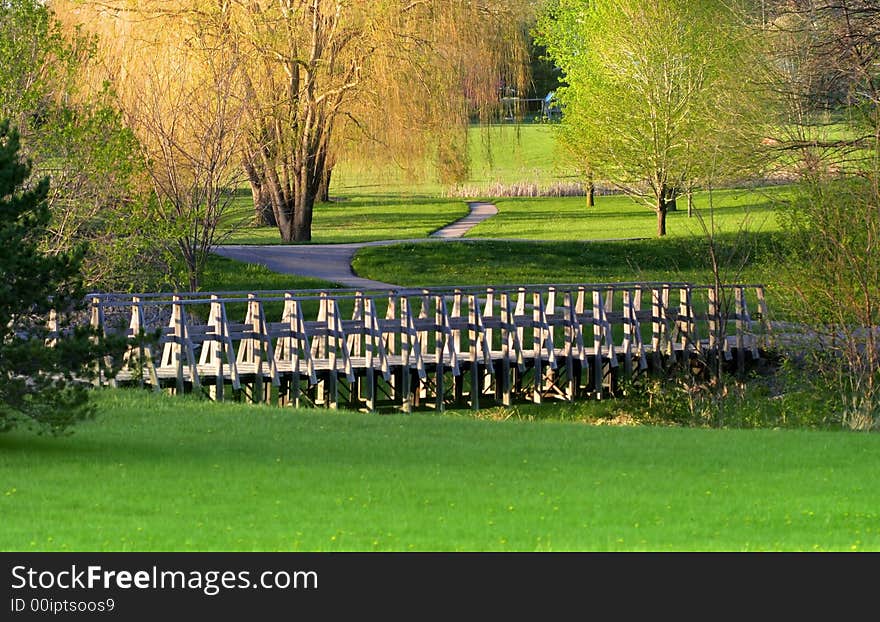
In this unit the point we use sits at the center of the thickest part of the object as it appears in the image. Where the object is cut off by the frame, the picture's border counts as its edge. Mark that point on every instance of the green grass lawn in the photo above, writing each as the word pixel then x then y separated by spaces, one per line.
pixel 584 245
pixel 566 224
pixel 504 153
pixel 513 263
pixel 360 219
pixel 154 473
pixel 618 216
pixel 510 154
pixel 226 275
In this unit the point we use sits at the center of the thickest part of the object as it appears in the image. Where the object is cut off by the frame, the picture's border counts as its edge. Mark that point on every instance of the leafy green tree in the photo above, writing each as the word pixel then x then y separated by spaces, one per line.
pixel 655 99
pixel 71 133
pixel 39 385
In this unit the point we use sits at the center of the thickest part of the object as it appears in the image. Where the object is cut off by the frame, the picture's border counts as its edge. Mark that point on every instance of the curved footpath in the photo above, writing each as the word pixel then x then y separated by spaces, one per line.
pixel 332 262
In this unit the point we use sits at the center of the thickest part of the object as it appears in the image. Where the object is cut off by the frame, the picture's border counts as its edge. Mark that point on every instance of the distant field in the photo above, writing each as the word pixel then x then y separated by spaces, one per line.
pixel 517 153
pixel 506 153
pixel 154 473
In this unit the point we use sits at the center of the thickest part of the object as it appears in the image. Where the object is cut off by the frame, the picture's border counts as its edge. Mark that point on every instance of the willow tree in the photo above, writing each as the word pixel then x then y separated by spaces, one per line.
pixel 392 80
pixel 655 97
pixel 387 79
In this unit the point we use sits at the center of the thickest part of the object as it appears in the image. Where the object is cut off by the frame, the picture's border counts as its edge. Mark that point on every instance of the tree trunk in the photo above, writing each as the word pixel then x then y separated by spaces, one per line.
pixel 591 194
pixel 323 195
pixel 665 203
pixel 292 201
pixel 263 211
pixel 690 204
pixel 264 214
pixel 661 218
pixel 302 217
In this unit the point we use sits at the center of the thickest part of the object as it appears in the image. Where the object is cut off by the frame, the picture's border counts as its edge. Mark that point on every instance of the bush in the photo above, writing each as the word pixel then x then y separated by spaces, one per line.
pixel 834 290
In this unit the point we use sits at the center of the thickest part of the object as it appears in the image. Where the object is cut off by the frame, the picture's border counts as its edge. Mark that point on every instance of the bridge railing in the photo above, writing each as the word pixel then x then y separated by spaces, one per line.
pixel 293 340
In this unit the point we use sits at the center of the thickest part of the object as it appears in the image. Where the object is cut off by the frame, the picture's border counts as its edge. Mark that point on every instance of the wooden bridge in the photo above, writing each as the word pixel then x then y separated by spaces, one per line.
pixel 426 348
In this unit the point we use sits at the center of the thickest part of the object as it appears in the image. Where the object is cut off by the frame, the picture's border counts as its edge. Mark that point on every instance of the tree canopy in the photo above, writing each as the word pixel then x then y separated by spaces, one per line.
pixel 655 98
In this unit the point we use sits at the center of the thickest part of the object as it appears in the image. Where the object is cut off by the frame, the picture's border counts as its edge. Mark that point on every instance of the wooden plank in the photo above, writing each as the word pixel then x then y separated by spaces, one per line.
pixel 473 340
pixel 740 301
pixel 508 333
pixel 628 329
pixel 656 327
pixel 570 340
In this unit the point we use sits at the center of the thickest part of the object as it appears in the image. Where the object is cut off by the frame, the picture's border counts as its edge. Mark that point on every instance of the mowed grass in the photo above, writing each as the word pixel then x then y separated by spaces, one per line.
pixel 359 219
pixel 226 275
pixel 511 154
pixel 501 153
pixel 619 216
pixel 560 240
pixel 155 473
pixel 514 263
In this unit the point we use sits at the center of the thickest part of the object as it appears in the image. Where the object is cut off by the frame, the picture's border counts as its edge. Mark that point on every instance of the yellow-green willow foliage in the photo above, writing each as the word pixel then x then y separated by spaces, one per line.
pixel 319 80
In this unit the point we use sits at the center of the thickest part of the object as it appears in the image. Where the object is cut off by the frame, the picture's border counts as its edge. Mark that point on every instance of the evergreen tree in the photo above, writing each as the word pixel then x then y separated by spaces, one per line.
pixel 40 386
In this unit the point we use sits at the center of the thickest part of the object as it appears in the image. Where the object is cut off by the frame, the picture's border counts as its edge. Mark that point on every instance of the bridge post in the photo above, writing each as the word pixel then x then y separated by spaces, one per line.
pixel 740 301
pixel 570 340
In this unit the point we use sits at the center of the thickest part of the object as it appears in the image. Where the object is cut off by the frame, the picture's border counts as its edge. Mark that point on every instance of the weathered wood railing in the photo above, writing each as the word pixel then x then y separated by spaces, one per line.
pixel 428 347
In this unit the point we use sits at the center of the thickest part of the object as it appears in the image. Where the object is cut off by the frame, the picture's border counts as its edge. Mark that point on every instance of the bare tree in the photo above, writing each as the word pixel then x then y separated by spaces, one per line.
pixel 822 69
pixel 180 94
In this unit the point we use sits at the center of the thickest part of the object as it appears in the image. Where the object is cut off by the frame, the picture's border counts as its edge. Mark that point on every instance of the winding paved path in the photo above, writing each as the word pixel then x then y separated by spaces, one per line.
pixel 332 262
